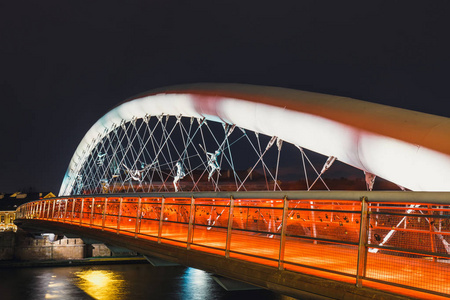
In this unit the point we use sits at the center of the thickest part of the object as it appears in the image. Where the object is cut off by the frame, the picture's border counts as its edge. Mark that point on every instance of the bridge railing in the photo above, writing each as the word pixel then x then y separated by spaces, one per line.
pixel 369 238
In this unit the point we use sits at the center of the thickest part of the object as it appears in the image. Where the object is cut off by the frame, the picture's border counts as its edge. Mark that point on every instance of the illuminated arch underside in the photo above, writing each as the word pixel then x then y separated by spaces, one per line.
pixel 409 148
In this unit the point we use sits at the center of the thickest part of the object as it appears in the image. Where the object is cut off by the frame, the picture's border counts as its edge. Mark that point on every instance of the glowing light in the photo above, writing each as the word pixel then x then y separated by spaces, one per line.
pixel 101 284
pixel 196 284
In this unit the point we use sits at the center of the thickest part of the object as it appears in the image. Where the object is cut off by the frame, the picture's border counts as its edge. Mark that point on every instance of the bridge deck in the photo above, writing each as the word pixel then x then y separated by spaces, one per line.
pixel 406 251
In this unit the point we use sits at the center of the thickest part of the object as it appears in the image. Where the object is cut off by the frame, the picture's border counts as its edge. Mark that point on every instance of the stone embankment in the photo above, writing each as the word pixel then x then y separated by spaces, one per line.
pixel 20 249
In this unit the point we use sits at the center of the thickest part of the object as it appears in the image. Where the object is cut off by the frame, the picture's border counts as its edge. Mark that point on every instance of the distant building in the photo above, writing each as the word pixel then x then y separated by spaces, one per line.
pixel 9 204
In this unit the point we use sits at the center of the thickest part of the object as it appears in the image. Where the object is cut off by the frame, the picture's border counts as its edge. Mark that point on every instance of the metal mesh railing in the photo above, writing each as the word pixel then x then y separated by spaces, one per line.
pixel 411 242
pixel 383 241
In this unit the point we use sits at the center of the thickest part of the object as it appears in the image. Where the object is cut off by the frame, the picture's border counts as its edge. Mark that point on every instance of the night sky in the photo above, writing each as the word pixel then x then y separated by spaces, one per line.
pixel 63 64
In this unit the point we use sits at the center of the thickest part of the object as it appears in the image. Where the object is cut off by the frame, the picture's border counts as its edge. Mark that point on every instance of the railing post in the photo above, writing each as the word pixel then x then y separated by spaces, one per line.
pixel 362 246
pixel 119 215
pixel 191 224
pixel 73 210
pixel 161 218
pixel 138 218
pixel 43 210
pixel 59 209
pixel 40 209
pixel 81 211
pixel 229 228
pixel 283 234
pixel 33 210
pixel 44 204
pixel 92 212
pixel 65 211
pixel 49 204
pixel 430 222
pixel 313 218
pixel 53 209
pixel 104 213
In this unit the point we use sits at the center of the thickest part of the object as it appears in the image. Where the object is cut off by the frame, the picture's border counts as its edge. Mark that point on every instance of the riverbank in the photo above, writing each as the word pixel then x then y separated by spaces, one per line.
pixel 73 262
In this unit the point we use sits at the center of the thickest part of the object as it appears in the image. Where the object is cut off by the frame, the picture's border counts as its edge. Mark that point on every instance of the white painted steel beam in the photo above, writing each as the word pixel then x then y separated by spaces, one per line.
pixel 408 148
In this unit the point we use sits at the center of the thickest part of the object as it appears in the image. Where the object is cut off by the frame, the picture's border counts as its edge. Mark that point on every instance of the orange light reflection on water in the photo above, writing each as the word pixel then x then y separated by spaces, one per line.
pixel 101 284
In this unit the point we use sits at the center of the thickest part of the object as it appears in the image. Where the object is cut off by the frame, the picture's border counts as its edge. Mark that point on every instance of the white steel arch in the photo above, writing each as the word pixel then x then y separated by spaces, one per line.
pixel 409 148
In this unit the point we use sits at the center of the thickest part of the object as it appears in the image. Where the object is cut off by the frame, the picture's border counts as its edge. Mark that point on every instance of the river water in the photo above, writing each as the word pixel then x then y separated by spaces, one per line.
pixel 130 281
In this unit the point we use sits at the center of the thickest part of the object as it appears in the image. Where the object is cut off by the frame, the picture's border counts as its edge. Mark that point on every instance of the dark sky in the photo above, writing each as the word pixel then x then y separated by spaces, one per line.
pixel 63 64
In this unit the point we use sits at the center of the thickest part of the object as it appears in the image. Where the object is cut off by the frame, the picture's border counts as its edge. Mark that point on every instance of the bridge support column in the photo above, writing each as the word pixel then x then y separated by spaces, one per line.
pixel 229 228
pixel 283 234
pixel 362 246
pixel 191 223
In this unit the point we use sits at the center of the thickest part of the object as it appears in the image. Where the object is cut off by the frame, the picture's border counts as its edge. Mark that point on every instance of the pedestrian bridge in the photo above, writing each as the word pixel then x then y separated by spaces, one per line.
pixel 343 245
pixel 209 175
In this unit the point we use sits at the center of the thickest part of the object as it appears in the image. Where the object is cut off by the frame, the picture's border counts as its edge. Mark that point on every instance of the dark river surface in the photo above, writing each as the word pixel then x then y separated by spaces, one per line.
pixel 133 281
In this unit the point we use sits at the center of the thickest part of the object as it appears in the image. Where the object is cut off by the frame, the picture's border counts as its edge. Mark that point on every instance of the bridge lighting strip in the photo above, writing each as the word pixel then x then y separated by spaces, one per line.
pixel 410 215
pixel 410 251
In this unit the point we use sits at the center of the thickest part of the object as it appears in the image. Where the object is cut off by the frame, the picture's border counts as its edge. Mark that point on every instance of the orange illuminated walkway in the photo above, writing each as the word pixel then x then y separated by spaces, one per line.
pixel 376 240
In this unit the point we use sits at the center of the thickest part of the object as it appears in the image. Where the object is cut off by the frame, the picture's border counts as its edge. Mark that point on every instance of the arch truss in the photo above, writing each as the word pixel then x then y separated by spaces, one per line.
pixel 240 138
pixel 175 153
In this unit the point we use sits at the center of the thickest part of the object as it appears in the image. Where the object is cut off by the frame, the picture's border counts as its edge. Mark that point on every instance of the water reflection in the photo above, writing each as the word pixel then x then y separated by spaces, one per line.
pixel 51 285
pixel 141 281
pixel 101 284
pixel 197 284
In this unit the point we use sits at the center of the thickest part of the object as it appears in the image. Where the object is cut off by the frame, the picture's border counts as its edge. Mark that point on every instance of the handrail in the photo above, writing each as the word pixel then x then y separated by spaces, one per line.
pixel 372 196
